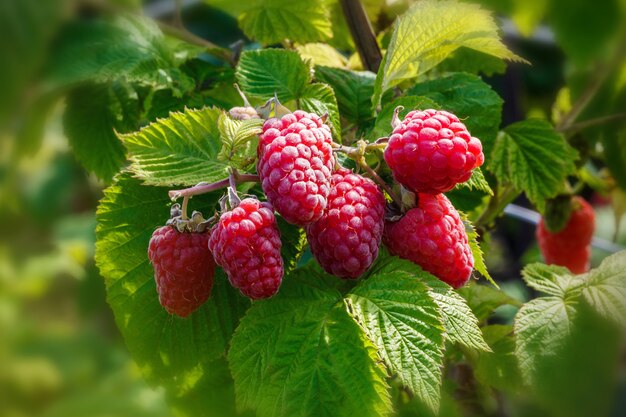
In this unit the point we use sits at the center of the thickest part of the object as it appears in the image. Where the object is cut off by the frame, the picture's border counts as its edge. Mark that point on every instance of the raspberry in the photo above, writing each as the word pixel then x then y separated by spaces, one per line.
pixel 246 243
pixel 433 236
pixel 183 269
pixel 431 151
pixel 295 165
pixel 570 247
pixel 345 239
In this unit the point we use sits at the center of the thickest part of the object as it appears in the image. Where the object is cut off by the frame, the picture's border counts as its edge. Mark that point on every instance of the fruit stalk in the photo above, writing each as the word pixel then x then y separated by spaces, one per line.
pixel 203 188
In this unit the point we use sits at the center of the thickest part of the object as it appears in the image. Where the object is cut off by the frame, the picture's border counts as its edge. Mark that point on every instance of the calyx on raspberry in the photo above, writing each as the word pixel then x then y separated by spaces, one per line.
pixel 346 238
pixel 431 151
pixel 183 266
pixel 246 243
pixel 571 246
pixel 295 165
pixel 433 236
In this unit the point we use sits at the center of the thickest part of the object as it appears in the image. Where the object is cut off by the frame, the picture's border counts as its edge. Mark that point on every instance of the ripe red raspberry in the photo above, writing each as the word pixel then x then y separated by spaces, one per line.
pixel 431 151
pixel 246 243
pixel 345 239
pixel 570 247
pixel 433 236
pixel 183 269
pixel 295 164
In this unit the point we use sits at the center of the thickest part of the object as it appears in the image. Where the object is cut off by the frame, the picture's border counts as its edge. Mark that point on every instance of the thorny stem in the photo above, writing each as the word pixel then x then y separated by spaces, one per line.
pixel 204 188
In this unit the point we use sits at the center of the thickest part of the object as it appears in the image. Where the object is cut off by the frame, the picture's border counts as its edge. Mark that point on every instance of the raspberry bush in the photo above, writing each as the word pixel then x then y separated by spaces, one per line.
pixel 344 186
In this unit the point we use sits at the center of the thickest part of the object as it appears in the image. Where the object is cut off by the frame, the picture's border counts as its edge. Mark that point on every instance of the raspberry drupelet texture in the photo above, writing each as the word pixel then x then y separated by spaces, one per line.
pixel 570 247
pixel 246 243
pixel 295 164
pixel 183 269
pixel 346 238
pixel 433 236
pixel 431 151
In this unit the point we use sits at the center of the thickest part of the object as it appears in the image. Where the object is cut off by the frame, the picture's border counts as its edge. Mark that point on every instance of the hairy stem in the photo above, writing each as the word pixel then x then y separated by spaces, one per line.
pixel 184 208
pixel 204 188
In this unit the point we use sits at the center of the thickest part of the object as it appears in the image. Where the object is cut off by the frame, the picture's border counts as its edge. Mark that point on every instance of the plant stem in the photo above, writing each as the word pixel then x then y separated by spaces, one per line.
pixel 204 188
pixel 496 205
pixel 362 34
pixel 592 122
pixel 184 207
pixel 363 164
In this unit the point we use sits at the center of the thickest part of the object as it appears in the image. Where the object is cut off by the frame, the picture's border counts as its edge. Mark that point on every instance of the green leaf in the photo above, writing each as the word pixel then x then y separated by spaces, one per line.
pixel 477 253
pixel 550 279
pixel 428 33
pixel 93 114
pixel 239 140
pixel 274 21
pixel 319 98
pixel 322 54
pixel 542 326
pixel 477 182
pixel 471 61
pixel 353 90
pixel 483 299
pixel 170 351
pixel 605 288
pixel 179 150
pixel 301 346
pixel 213 395
pixel 562 346
pixel 264 72
pixel 459 321
pixel 470 99
pixel 382 126
pixel 403 320
pixel 466 200
pixel 533 158
pixel 125 48
pixel 498 368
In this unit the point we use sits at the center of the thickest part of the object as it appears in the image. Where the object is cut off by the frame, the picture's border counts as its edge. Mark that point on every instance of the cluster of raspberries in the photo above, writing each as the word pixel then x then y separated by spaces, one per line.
pixel 342 212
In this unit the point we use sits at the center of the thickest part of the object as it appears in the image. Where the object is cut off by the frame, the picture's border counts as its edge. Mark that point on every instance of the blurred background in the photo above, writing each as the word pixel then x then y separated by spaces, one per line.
pixel 60 351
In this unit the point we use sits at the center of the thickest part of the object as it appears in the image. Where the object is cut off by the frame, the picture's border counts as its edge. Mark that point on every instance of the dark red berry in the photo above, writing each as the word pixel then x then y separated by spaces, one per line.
pixel 433 236
pixel 431 151
pixel 295 165
pixel 183 269
pixel 346 238
pixel 246 243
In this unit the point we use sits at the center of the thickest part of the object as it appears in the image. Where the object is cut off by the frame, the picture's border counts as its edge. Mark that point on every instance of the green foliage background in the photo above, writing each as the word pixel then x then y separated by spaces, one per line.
pixel 88 89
